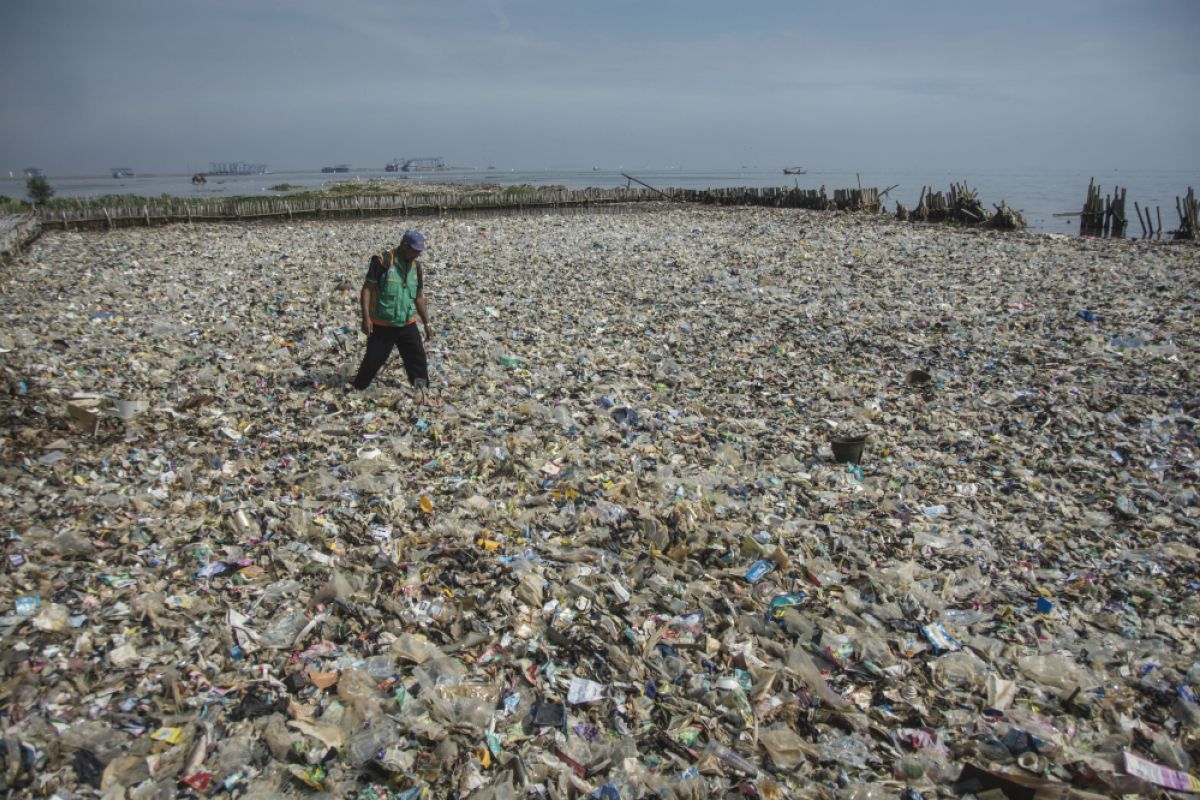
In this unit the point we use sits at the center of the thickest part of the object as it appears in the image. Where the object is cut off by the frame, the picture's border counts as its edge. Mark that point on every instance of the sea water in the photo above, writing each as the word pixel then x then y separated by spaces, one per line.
pixel 1038 194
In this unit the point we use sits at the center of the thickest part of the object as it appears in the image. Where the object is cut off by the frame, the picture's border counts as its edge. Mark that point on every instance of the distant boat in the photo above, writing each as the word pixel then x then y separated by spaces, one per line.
pixel 34 172
pixel 794 171
pixel 122 172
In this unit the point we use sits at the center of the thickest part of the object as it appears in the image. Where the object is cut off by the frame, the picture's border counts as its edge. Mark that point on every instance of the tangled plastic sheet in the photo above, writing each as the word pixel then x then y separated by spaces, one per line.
pixel 706 502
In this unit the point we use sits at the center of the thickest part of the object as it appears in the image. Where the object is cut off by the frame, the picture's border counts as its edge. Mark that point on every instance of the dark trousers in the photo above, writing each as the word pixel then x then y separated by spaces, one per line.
pixel 379 346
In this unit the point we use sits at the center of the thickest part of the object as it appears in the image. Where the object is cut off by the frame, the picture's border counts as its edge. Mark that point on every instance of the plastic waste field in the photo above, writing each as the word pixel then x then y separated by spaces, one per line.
pixel 617 556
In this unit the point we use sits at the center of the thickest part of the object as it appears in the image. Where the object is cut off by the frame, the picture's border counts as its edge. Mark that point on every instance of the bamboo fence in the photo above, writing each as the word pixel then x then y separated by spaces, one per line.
pixel 1104 216
pixel 163 212
pixel 1100 216
pixel 248 209
pixel 782 197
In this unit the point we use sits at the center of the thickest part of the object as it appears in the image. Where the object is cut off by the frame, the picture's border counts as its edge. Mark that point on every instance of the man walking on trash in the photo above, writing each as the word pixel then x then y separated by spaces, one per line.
pixel 391 299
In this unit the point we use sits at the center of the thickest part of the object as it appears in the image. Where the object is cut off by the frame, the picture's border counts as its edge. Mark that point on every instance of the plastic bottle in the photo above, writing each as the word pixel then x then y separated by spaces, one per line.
pixel 283 632
pixel 1193 675
pixel 729 757
pixel 562 415
pixel 864 791
pixel 1171 754
pixel 992 749
pixel 380 667
pixel 846 750
pixel 368 743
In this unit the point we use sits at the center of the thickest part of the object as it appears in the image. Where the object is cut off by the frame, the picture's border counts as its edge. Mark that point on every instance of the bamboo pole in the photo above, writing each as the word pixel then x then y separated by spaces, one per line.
pixel 1189 216
pixel 643 183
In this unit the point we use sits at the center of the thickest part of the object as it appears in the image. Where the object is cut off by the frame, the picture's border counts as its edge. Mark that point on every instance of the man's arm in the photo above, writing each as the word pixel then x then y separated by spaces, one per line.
pixel 375 271
pixel 364 303
pixel 424 315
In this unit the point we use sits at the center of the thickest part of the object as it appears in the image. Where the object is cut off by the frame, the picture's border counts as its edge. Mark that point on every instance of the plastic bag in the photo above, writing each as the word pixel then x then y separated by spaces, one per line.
pixel 1058 671
pixel 785 747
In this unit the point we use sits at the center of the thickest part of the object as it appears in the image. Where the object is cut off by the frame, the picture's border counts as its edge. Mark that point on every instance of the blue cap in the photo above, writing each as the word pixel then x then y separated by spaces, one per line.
pixel 414 239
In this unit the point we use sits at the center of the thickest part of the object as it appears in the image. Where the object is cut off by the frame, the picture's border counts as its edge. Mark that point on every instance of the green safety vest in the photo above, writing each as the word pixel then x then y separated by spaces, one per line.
pixel 394 296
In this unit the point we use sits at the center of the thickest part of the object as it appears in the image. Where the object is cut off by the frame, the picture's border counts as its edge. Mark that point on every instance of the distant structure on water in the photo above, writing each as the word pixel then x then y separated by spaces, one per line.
pixel 423 164
pixel 338 168
pixel 34 172
pixel 122 172
pixel 235 168
pixel 794 171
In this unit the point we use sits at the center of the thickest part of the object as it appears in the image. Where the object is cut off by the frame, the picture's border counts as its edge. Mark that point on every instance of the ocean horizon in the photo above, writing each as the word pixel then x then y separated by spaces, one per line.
pixel 1039 194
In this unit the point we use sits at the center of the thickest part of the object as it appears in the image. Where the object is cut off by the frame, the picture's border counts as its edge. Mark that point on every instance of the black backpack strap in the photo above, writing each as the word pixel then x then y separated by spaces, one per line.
pixel 380 266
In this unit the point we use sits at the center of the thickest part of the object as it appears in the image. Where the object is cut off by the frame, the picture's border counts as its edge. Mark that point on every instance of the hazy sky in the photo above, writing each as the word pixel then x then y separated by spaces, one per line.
pixel 170 85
